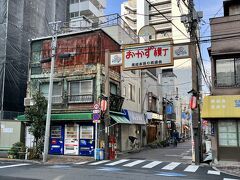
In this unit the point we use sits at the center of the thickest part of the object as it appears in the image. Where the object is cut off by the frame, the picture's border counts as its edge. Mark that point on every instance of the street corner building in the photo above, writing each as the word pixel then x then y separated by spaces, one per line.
pixel 222 108
pixel 79 82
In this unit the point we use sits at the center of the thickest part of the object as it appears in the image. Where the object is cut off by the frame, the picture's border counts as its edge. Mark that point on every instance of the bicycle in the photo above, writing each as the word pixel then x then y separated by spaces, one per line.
pixel 134 143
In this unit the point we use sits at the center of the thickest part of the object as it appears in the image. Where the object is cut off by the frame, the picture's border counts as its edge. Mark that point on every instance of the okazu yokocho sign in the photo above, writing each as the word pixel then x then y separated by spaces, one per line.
pixel 148 55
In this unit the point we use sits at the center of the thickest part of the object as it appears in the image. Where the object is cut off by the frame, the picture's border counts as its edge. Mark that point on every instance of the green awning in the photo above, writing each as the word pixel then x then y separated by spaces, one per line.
pixel 66 117
pixel 120 119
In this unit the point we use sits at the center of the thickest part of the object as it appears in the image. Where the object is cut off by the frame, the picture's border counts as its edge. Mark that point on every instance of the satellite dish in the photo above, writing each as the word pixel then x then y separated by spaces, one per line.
pixel 147 32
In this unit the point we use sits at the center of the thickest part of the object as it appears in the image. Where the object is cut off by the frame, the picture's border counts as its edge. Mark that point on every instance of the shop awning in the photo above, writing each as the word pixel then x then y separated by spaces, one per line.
pixel 65 117
pixel 151 115
pixel 120 119
pixel 221 107
pixel 134 117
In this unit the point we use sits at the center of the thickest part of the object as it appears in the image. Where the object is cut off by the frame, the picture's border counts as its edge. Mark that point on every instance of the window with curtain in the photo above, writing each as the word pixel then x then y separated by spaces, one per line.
pixel 228 72
pixel 227 133
pixel 56 93
pixel 81 91
pixel 36 51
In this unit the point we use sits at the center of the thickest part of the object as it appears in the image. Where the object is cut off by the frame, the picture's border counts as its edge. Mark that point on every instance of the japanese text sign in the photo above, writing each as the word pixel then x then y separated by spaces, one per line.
pixel 143 56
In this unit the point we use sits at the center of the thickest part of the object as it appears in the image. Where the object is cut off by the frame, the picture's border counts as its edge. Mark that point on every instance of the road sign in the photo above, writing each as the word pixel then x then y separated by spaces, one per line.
pixel 96 116
pixel 96 106
pixel 96 111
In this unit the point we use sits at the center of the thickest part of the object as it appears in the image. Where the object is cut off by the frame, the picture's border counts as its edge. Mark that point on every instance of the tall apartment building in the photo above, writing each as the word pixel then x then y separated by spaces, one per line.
pixel 19 22
pixel 85 12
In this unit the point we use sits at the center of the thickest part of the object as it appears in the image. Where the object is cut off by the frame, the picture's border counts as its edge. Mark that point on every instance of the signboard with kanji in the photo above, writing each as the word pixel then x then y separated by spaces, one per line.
pixel 148 55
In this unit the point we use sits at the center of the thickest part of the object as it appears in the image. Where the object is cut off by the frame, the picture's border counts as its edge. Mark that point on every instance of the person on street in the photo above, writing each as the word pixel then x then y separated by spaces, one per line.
pixel 175 138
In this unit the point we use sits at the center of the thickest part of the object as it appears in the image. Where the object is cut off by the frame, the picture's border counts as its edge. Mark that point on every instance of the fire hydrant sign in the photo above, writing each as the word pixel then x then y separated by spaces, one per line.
pixel 149 55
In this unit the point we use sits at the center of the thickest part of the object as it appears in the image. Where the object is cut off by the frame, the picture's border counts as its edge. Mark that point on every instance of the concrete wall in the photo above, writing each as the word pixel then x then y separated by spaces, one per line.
pixel 126 131
pixel 134 79
pixel 10 133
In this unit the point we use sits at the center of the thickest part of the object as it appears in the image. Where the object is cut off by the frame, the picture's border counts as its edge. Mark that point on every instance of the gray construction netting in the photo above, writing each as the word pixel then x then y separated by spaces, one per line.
pixel 21 20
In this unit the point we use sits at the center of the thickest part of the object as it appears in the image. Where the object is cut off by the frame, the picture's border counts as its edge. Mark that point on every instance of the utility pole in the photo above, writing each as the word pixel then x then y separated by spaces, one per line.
pixel 191 21
pixel 107 94
pixel 55 26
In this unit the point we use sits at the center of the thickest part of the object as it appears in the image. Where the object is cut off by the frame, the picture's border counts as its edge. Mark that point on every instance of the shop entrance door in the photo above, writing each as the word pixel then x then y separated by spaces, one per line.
pixel 71 139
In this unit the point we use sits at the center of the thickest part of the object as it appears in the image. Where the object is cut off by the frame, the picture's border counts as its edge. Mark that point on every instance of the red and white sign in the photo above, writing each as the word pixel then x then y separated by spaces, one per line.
pixel 103 105
pixel 96 106
pixel 142 56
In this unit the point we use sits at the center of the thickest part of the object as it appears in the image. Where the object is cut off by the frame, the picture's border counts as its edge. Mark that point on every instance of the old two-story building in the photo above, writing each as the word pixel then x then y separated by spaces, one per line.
pixel 79 82
pixel 222 107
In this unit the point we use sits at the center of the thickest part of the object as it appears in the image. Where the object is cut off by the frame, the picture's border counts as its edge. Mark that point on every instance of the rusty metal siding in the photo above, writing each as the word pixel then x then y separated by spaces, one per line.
pixel 89 48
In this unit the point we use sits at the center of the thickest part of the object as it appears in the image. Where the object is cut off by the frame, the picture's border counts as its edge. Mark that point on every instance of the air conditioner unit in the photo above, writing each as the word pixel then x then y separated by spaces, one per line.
pixel 28 102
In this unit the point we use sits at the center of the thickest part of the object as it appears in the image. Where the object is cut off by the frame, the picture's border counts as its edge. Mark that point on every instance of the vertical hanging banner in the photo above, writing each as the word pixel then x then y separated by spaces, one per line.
pixel 148 55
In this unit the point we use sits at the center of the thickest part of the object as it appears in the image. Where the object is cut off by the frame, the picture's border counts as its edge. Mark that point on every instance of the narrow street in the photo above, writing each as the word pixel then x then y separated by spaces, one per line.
pixel 181 153
pixel 162 163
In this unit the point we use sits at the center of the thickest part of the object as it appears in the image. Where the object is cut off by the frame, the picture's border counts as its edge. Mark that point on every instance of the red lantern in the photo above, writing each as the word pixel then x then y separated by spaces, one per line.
pixel 103 105
pixel 193 102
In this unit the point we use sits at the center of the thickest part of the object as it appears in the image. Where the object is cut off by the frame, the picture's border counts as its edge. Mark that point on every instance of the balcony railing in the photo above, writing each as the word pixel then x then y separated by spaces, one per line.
pixel 227 81
pixel 100 22
pixel 80 98
pixel 56 99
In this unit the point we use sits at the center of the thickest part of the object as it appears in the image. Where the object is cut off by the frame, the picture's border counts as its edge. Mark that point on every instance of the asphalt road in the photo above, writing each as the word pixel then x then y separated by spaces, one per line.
pixel 110 170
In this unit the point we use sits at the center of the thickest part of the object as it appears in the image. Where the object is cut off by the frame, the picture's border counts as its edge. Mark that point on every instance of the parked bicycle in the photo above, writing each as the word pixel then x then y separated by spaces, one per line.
pixel 134 143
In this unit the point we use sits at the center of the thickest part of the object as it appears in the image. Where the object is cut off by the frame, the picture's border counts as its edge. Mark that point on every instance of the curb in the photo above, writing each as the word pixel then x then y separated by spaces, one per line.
pixel 20 160
pixel 228 173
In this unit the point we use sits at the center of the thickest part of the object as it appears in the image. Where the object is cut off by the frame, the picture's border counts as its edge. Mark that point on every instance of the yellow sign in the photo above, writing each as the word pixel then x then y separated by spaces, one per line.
pixel 221 106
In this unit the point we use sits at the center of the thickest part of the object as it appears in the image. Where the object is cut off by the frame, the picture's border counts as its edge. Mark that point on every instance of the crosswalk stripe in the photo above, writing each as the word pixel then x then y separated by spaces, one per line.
pixel 229 179
pixel 14 165
pixel 152 164
pixel 191 168
pixel 99 162
pixel 213 172
pixel 171 166
pixel 117 162
pixel 84 162
pixel 133 163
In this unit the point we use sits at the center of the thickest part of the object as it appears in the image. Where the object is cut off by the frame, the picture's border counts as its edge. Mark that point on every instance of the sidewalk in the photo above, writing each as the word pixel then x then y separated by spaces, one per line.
pixel 54 159
pixel 228 167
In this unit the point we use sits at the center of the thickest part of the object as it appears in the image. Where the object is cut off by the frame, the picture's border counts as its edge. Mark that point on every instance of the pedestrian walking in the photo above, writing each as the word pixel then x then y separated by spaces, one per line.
pixel 175 138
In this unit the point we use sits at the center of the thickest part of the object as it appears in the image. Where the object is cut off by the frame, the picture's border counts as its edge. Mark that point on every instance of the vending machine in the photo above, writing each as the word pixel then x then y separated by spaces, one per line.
pixel 86 141
pixel 71 141
pixel 56 140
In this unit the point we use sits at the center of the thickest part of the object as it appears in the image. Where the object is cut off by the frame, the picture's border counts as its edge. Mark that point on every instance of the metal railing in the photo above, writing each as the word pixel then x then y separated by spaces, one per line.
pixel 99 22
pixel 80 98
pixel 227 81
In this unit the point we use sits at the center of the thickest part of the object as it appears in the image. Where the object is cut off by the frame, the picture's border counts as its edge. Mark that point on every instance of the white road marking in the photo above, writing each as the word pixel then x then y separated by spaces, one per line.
pixel 133 163
pixel 14 165
pixel 229 179
pixel 83 162
pixel 213 172
pixel 117 162
pixel 152 164
pixel 191 168
pixel 99 162
pixel 171 166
